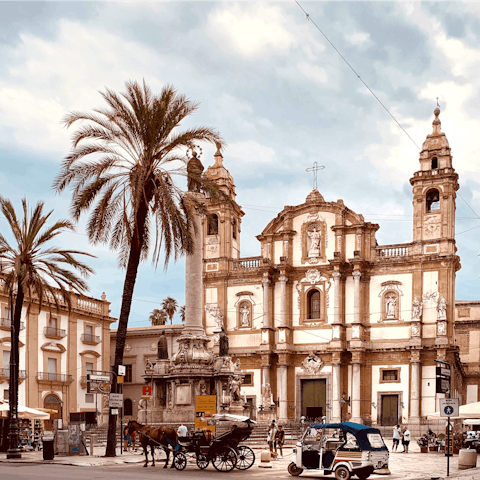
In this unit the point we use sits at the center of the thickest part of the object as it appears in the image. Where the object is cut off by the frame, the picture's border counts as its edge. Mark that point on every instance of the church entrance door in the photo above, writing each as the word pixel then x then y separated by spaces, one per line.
pixel 314 397
pixel 389 410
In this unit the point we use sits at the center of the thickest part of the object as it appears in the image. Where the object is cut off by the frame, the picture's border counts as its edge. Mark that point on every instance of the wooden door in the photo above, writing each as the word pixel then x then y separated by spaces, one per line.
pixel 52 402
pixel 389 410
pixel 314 394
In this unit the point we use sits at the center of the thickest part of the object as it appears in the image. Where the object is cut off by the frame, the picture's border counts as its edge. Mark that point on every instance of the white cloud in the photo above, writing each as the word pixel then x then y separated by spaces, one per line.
pixel 313 72
pixel 240 113
pixel 251 151
pixel 358 38
pixel 250 29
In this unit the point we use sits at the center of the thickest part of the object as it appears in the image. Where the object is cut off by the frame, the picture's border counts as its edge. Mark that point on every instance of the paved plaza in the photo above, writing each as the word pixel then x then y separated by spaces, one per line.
pixel 411 466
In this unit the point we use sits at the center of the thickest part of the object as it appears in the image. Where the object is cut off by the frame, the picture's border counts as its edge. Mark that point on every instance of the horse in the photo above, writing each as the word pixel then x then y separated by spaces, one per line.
pixel 153 436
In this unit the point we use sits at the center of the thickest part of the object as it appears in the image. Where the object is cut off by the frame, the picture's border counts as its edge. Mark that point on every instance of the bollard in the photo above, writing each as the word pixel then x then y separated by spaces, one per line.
pixel 265 459
pixel 93 441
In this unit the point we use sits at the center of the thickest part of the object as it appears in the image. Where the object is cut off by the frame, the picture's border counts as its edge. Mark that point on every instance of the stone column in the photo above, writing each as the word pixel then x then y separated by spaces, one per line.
pixel 282 391
pixel 283 299
pixel 415 385
pixel 337 298
pixel 336 389
pixel 266 301
pixel 194 281
pixel 356 388
pixel 356 296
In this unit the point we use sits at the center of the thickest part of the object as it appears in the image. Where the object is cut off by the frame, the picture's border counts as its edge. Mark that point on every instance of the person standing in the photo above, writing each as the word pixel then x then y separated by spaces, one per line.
pixel 271 437
pixel 280 440
pixel 126 439
pixel 396 437
pixel 406 439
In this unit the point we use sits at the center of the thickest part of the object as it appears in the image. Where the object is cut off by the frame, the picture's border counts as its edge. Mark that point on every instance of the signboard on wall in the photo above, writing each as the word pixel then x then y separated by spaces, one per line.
pixel 146 391
pixel 205 408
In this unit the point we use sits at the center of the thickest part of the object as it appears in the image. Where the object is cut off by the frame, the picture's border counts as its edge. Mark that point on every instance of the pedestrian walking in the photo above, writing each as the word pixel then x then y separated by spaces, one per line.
pixel 271 437
pixel 406 439
pixel 396 437
pixel 280 440
pixel 126 439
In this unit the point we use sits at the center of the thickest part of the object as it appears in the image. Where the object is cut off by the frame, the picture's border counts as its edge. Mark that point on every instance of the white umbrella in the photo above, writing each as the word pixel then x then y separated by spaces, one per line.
pixel 470 410
pixel 24 412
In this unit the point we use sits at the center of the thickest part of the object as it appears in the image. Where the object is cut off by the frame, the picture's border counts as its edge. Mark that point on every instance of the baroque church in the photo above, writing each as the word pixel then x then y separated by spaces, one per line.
pixel 326 322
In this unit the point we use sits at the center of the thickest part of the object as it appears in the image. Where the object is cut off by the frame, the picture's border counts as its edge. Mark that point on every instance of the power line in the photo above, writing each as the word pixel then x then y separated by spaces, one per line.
pixel 309 18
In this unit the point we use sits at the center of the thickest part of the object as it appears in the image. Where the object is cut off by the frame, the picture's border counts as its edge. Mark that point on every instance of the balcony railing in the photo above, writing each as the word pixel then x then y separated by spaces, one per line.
pixel 52 332
pixel 6 324
pixel 5 373
pixel 54 377
pixel 247 263
pixel 391 252
pixel 90 339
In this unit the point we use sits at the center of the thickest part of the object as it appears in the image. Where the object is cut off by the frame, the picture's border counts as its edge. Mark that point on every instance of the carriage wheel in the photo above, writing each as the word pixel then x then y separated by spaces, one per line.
pixel 202 461
pixel 225 459
pixel 180 461
pixel 245 457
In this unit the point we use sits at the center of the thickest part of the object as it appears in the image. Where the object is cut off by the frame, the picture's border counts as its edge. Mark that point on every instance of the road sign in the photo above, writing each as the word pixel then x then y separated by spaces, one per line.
pixel 443 385
pixel 449 407
pixel 122 370
pixel 146 391
pixel 444 372
pixel 98 378
pixel 116 400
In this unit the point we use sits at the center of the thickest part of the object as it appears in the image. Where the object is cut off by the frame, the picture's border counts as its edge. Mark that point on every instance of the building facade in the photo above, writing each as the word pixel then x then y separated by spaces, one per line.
pixel 325 317
pixel 57 349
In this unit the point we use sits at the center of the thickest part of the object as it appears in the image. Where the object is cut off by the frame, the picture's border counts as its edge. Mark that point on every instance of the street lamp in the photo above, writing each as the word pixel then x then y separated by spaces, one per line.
pixel 344 400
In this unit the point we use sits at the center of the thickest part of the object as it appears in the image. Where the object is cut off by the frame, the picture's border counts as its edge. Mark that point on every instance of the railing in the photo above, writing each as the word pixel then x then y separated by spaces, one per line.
pixel 87 338
pixel 389 252
pixel 7 323
pixel 246 263
pixel 5 373
pixel 434 172
pixel 54 332
pixel 54 377
pixel 89 305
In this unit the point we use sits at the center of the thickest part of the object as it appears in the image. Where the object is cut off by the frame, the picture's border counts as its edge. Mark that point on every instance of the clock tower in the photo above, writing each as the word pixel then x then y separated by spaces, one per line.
pixel 434 189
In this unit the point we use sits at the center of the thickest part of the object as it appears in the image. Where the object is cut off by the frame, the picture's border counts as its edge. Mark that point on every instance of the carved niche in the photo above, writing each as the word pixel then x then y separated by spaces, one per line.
pixel 390 298
pixel 314 239
pixel 314 287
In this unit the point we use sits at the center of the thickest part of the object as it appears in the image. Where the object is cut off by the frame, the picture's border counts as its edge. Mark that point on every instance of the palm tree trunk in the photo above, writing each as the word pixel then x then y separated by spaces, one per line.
pixel 128 287
pixel 14 451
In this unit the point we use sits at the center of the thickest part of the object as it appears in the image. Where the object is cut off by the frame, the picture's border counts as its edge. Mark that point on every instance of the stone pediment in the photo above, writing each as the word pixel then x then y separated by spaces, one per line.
pixel 53 347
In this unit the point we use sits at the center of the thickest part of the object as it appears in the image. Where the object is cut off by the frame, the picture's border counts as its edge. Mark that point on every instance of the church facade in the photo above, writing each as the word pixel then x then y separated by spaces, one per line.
pixel 326 322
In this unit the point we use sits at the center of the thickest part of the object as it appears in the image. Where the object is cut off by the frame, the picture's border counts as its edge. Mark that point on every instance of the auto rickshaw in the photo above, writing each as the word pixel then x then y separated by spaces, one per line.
pixel 344 449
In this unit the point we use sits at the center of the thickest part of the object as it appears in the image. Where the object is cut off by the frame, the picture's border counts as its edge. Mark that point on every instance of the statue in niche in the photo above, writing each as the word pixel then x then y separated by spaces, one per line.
pixel 416 309
pixel 162 349
pixel 314 236
pixel 267 395
pixel 442 308
pixel 391 305
pixel 244 315
pixel 223 344
pixel 194 173
pixel 235 389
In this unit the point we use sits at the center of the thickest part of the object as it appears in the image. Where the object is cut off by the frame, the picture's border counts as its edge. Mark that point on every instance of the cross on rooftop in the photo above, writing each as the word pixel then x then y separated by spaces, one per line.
pixel 316 167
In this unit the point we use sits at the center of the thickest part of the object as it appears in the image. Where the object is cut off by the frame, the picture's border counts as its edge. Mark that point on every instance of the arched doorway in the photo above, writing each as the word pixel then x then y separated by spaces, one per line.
pixel 52 402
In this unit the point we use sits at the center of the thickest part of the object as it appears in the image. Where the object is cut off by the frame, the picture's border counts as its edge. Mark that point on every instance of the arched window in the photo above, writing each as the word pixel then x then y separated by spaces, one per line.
pixel 433 200
pixel 313 304
pixel 434 163
pixel 127 407
pixel 212 224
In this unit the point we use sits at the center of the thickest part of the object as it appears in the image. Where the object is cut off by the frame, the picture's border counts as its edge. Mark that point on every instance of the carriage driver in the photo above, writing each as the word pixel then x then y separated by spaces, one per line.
pixel 182 431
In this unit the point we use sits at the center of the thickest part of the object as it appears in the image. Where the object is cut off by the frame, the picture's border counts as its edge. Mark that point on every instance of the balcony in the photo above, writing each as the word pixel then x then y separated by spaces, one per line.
pixel 90 339
pixel 59 378
pixel 83 381
pixel 6 324
pixel 5 374
pixel 55 333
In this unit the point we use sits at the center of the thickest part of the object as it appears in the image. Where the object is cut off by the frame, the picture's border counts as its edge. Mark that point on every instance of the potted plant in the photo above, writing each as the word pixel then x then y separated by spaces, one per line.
pixel 423 444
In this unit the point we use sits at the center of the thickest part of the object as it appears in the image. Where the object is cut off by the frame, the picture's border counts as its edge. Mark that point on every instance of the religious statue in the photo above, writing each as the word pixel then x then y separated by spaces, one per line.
pixel 442 308
pixel 391 306
pixel 235 389
pixel 194 173
pixel 162 347
pixel 416 308
pixel 267 395
pixel 314 250
pixel 244 316
pixel 223 344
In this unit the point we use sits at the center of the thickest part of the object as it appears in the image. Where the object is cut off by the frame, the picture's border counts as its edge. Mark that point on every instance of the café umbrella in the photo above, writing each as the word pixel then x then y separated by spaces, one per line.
pixel 24 412
pixel 470 410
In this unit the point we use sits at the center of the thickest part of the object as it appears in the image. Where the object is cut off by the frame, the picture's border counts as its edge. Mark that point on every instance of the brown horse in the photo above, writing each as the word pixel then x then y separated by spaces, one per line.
pixel 153 436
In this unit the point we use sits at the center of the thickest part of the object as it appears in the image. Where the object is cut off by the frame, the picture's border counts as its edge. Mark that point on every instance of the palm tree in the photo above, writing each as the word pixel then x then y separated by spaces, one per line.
pixel 30 267
pixel 170 306
pixel 121 168
pixel 182 313
pixel 158 317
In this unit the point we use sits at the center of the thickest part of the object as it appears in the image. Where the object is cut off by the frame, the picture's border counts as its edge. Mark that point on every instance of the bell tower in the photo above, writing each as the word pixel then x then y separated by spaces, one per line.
pixel 434 189
pixel 222 227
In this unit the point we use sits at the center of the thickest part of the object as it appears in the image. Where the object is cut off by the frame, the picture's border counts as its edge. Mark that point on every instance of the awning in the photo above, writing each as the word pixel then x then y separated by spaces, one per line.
pixel 24 412
pixel 470 410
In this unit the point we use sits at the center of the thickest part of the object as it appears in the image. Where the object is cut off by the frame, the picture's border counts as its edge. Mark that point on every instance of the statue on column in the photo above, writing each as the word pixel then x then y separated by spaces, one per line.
pixel 416 309
pixel 162 347
pixel 223 344
pixel 194 173
pixel 235 389
pixel 442 308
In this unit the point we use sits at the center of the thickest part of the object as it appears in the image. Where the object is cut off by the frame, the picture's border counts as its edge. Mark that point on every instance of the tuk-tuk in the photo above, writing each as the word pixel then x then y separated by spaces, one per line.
pixel 344 449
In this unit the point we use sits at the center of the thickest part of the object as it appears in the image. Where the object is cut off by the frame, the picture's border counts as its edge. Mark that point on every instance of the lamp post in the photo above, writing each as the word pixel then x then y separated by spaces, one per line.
pixel 344 400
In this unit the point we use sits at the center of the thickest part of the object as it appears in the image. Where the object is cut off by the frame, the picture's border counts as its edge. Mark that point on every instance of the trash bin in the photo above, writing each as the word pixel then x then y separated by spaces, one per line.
pixel 48 448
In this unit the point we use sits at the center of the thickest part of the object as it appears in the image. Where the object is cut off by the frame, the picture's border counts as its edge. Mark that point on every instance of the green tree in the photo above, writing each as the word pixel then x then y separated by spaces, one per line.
pixel 170 306
pixel 32 268
pixel 121 169
pixel 182 313
pixel 158 317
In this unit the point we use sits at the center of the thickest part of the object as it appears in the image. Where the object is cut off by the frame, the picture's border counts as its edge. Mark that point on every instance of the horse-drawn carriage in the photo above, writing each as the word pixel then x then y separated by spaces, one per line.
pixel 223 451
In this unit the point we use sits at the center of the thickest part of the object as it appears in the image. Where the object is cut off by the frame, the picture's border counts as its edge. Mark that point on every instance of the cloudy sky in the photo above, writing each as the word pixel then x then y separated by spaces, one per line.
pixel 278 92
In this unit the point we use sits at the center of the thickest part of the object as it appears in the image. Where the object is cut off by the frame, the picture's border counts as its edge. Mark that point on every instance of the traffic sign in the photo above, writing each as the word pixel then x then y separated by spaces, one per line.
pixel 449 407
pixel 122 370
pixel 146 391
pixel 116 400
pixel 444 372
pixel 98 378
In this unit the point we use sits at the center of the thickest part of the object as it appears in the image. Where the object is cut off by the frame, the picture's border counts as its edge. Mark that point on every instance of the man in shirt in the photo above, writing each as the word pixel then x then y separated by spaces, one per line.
pixel 396 437
pixel 182 431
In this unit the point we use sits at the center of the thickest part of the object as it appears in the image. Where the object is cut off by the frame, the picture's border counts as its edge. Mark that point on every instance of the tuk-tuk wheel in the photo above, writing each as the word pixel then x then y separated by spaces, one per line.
pixel 294 470
pixel 342 473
